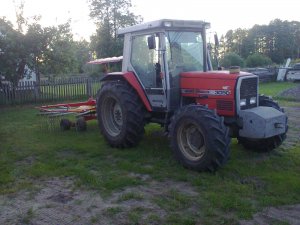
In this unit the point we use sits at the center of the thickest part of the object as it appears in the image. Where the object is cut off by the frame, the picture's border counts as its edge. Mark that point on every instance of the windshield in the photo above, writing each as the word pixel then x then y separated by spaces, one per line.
pixel 184 51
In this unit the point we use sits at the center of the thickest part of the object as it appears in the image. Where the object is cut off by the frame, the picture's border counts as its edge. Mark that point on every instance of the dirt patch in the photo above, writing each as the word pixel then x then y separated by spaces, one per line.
pixel 276 215
pixel 256 182
pixel 291 93
pixel 293 135
pixel 58 201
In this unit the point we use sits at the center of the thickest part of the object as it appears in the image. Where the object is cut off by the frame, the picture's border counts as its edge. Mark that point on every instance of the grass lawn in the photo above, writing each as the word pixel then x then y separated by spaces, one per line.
pixel 274 88
pixel 249 182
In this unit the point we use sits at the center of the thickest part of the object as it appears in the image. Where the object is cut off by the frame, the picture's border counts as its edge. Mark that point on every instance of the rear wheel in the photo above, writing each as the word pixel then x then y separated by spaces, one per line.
pixel 120 114
pixel 267 144
pixel 199 138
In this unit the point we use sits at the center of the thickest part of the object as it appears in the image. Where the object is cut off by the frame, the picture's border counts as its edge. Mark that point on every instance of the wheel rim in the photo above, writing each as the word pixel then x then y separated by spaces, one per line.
pixel 191 140
pixel 112 117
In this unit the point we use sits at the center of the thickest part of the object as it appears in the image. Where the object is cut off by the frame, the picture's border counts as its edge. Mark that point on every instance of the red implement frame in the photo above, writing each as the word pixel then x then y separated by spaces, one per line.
pixel 87 109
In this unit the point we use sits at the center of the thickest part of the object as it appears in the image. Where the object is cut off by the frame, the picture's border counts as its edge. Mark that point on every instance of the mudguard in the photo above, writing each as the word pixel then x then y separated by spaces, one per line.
pixel 133 81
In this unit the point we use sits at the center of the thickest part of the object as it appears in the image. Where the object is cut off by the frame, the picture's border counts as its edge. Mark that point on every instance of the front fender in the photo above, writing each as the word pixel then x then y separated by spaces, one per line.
pixel 133 81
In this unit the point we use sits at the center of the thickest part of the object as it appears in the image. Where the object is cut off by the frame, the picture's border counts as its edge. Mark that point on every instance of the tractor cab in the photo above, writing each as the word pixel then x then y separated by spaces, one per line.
pixel 158 52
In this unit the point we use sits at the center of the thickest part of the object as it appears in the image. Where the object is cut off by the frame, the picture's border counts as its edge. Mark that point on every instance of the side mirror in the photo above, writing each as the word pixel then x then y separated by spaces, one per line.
pixel 151 42
pixel 216 40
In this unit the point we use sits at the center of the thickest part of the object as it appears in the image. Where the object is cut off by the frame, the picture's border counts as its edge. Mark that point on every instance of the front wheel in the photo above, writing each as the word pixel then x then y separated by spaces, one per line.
pixel 199 138
pixel 120 114
pixel 262 145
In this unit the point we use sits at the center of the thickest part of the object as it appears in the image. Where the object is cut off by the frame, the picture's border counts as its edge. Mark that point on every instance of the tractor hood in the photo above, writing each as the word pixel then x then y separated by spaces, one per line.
pixel 226 75
pixel 211 80
pixel 216 89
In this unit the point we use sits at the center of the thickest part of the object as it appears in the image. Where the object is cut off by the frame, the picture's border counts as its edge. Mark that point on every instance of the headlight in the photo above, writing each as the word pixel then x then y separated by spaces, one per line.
pixel 252 100
pixel 243 102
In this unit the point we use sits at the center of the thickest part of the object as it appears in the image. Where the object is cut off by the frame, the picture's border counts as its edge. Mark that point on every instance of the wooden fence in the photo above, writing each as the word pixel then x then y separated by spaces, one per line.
pixel 50 90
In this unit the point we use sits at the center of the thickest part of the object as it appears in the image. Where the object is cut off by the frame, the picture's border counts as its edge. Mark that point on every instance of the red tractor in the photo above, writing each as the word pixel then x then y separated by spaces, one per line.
pixel 167 78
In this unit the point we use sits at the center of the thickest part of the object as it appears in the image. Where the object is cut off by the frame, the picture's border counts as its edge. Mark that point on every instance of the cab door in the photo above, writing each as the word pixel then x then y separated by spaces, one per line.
pixel 148 64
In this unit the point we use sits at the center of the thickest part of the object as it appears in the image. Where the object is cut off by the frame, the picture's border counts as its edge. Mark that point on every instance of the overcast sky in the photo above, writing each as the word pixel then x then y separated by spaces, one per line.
pixel 222 14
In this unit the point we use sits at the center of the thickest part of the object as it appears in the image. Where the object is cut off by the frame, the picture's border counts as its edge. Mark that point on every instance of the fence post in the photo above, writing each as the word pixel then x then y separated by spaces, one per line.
pixel 88 87
pixel 36 90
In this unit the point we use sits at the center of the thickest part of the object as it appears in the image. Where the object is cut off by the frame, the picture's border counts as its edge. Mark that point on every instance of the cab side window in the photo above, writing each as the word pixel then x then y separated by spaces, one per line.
pixel 145 61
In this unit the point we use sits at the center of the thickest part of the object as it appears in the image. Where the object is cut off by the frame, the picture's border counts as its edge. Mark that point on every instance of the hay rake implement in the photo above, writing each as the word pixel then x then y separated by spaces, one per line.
pixel 52 115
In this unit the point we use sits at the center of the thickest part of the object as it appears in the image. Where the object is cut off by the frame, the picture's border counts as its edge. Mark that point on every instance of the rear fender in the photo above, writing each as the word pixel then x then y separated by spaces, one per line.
pixel 133 81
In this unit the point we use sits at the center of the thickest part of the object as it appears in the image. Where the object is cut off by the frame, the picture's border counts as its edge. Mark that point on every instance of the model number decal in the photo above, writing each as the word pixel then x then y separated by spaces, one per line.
pixel 214 92
pixel 205 92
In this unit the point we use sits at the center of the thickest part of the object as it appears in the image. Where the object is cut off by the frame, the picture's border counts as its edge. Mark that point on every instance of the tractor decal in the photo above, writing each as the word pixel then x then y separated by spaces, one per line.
pixel 206 92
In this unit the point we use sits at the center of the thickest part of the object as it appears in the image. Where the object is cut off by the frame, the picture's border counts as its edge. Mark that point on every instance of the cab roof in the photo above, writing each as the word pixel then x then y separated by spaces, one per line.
pixel 166 24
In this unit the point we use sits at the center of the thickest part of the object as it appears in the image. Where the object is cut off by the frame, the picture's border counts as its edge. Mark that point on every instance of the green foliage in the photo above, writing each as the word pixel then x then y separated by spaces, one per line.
pixel 231 59
pixel 295 61
pixel 235 40
pixel 14 52
pixel 110 15
pixel 82 54
pixel 113 14
pixel 47 50
pixel 278 40
pixel 59 57
pixel 256 60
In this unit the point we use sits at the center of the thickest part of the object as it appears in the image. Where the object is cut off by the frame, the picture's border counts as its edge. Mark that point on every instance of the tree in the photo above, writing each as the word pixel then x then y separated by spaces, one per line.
pixel 47 50
pixel 257 59
pixel 59 57
pixel 110 15
pixel 82 54
pixel 113 13
pixel 37 39
pixel 14 52
pixel 222 47
pixel 229 41
pixel 231 59
pixel 278 40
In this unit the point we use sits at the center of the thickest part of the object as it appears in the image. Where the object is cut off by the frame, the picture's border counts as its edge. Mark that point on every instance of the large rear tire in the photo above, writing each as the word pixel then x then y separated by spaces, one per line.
pixel 199 138
pixel 120 114
pixel 267 144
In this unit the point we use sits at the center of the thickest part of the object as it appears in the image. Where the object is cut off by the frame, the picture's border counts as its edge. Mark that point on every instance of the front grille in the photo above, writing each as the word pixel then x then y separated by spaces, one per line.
pixel 248 89
pixel 224 105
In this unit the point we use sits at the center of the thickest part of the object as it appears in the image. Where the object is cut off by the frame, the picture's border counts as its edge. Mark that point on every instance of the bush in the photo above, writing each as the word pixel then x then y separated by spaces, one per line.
pixel 294 61
pixel 257 59
pixel 232 59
